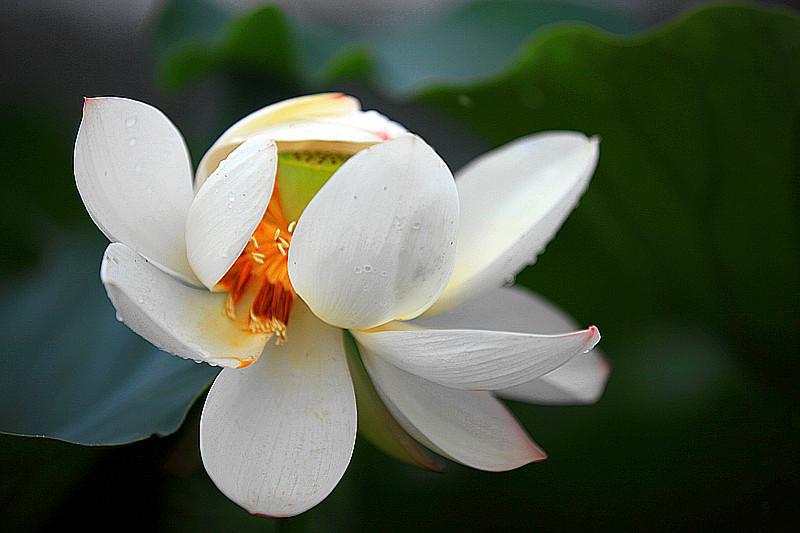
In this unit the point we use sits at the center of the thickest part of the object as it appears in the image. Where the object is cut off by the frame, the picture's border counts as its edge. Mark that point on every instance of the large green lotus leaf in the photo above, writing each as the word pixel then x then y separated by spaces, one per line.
pixel 70 371
pixel 402 57
pixel 692 213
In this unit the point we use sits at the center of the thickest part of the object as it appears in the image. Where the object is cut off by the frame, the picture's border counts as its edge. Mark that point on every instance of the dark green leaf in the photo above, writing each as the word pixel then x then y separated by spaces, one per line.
pixel 72 372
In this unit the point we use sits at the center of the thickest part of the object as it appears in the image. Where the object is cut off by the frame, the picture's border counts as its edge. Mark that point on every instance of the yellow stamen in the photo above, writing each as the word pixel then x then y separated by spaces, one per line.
pixel 258 282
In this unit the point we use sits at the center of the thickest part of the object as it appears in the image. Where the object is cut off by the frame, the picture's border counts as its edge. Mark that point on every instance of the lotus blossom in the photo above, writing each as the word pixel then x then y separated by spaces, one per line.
pixel 311 218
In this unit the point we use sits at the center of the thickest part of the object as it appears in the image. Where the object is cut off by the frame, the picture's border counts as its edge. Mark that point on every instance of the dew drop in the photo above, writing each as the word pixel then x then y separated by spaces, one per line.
pixel 138 167
pixel 383 273
pixel 119 317
pixel 231 197
pixel 130 121
pixel 132 141
pixel 508 280
pixel 141 300
pixel 367 268
pixel 224 252
pixel 357 270
pixel 416 225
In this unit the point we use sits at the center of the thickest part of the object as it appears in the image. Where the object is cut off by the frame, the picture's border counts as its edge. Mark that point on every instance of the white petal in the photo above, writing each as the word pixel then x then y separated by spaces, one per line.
pixel 377 242
pixel 475 359
pixel 176 318
pixel 376 423
pixel 580 380
pixel 321 117
pixel 471 427
pixel 134 175
pixel 277 436
pixel 228 208
pixel 293 110
pixel 513 201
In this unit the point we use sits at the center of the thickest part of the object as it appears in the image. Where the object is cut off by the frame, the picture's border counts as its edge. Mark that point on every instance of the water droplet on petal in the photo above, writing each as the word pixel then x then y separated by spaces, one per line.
pixel 119 317
pixel 508 280
pixel 367 268
pixel 141 300
pixel 130 121
pixel 138 167
pixel 416 225
pixel 132 141
pixel 357 270
pixel 231 197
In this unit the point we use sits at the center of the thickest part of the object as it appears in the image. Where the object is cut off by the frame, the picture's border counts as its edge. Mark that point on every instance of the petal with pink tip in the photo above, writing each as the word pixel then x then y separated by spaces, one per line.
pixel 471 427
pixel 475 359
pixel 134 175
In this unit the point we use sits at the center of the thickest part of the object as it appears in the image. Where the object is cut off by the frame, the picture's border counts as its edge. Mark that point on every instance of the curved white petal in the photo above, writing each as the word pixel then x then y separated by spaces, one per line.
pixel 471 427
pixel 475 359
pixel 176 318
pixel 277 436
pixel 134 175
pixel 582 379
pixel 513 201
pixel 328 105
pixel 228 208
pixel 320 117
pixel 377 424
pixel 377 242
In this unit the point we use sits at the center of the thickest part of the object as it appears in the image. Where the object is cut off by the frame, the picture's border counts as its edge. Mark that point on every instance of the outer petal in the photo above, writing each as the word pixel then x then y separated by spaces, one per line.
pixel 580 380
pixel 471 427
pixel 277 436
pixel 513 200
pixel 176 318
pixel 228 208
pixel 475 359
pixel 377 242
pixel 134 175
pixel 322 117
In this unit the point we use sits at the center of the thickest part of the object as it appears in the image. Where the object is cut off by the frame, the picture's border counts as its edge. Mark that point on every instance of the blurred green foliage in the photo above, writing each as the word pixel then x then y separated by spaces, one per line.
pixel 684 252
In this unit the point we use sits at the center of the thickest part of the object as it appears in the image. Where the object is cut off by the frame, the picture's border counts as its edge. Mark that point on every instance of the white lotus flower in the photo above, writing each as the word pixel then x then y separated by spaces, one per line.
pixel 311 216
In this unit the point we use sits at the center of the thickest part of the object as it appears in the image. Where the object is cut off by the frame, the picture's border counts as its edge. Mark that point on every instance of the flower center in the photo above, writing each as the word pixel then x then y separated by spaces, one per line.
pixel 260 294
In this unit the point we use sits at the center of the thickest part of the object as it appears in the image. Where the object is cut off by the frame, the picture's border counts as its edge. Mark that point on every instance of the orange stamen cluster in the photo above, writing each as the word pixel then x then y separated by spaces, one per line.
pixel 258 282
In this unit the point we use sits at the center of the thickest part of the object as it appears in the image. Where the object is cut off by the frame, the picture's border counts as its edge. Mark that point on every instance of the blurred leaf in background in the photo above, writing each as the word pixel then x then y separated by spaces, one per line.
pixel 684 252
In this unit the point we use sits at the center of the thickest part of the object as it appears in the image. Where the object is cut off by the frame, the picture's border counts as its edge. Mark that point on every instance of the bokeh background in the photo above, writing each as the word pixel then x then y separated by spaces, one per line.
pixel 684 252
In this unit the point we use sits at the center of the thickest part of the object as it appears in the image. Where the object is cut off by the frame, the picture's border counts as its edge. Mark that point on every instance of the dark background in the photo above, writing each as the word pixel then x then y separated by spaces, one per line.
pixel 723 471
